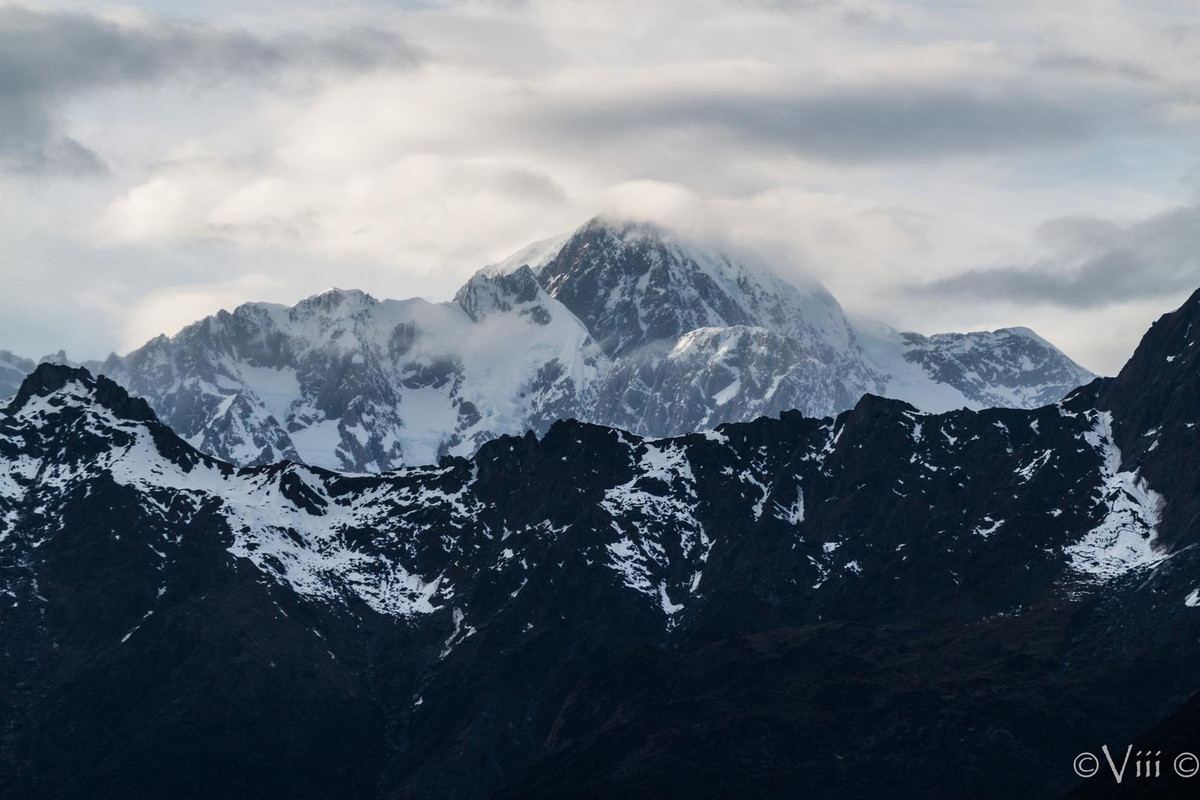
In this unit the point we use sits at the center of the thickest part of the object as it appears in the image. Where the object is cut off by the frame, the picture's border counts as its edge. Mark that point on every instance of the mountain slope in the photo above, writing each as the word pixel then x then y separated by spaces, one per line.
pixel 343 379
pixel 1008 367
pixel 786 605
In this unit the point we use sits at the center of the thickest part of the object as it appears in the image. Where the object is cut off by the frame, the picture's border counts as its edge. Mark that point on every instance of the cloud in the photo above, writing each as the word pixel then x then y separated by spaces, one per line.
pixel 872 143
pixel 421 211
pixel 1092 65
pixel 876 123
pixel 48 58
pixel 1090 263
pixel 170 309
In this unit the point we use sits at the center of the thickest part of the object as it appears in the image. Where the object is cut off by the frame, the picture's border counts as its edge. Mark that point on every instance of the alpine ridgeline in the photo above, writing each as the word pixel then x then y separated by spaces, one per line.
pixel 885 603
pixel 619 324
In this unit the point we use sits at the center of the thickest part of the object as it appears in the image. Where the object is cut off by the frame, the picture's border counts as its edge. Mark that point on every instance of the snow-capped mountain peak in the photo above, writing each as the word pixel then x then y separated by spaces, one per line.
pixel 633 283
pixel 620 322
pixel 535 256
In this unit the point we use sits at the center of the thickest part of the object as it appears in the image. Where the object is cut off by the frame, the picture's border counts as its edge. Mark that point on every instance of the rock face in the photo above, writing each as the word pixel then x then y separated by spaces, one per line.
pixel 633 284
pixel 883 603
pixel 620 324
pixel 713 375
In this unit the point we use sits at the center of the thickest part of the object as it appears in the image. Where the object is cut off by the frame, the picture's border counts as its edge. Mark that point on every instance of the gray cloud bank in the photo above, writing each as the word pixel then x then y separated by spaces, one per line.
pixel 46 58
pixel 1092 263
pixel 884 122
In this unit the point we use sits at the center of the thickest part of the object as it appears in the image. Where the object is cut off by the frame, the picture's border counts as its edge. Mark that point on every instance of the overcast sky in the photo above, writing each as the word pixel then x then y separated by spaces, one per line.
pixel 937 165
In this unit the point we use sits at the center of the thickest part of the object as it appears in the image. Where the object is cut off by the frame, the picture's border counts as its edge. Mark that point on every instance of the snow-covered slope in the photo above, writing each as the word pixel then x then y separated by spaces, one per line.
pixel 343 380
pixel 618 323
pixel 1009 367
pixel 713 375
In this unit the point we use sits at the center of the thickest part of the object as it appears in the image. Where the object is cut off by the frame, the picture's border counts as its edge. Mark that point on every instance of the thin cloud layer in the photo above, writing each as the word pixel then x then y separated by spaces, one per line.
pixel 906 154
pixel 884 122
pixel 1091 264
pixel 46 58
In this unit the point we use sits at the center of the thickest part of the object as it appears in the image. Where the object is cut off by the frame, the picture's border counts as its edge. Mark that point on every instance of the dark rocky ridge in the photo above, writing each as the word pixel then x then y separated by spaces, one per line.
pixel 880 604
pixel 1155 402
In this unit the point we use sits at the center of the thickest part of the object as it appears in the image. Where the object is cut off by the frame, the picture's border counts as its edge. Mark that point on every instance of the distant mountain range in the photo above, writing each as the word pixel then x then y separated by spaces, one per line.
pixel 885 603
pixel 13 370
pixel 619 323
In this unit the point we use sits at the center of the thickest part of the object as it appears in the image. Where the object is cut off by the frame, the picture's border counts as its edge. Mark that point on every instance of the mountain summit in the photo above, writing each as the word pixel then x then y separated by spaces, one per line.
pixel 634 284
pixel 619 323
